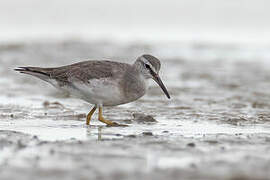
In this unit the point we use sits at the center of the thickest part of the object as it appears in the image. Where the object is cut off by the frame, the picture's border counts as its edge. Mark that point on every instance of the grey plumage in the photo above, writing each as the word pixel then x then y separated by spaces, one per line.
pixel 82 71
pixel 128 81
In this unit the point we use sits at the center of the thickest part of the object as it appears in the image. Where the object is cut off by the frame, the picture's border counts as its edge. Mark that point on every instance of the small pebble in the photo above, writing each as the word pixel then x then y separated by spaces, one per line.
pixel 142 118
pixel 212 141
pixel 131 136
pixel 191 145
pixel 46 103
pixel 147 133
pixel 20 144
pixel 52 151
pixel 192 165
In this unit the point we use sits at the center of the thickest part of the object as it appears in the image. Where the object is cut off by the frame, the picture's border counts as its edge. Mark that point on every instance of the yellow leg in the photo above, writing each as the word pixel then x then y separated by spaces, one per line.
pixel 109 123
pixel 89 115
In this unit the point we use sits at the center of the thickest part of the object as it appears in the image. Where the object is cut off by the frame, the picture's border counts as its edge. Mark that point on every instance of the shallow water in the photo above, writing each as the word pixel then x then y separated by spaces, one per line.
pixel 216 126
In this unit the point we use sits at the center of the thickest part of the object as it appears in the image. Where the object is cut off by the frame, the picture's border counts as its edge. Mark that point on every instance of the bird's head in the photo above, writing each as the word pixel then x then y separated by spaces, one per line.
pixel 149 67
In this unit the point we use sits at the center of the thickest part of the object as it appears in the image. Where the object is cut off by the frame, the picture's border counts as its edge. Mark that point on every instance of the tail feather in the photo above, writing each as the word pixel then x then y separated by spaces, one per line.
pixel 41 73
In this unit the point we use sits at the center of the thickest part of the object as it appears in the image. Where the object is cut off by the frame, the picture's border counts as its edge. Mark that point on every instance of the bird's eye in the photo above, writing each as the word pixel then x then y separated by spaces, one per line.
pixel 147 66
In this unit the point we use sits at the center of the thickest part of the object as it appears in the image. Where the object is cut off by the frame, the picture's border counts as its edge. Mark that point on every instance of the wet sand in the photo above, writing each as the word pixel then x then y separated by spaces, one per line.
pixel 216 126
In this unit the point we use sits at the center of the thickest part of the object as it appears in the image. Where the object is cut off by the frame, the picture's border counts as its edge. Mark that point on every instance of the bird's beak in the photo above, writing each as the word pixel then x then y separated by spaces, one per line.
pixel 160 83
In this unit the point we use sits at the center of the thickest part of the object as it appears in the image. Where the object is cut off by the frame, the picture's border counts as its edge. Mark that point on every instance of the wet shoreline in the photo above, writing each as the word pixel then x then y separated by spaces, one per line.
pixel 216 126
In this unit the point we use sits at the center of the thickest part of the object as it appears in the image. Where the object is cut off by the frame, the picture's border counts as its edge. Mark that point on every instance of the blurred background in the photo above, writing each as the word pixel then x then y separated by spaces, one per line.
pixel 219 21
pixel 214 62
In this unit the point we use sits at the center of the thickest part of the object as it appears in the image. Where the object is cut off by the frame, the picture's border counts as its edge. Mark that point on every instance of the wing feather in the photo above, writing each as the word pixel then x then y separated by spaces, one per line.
pixel 87 70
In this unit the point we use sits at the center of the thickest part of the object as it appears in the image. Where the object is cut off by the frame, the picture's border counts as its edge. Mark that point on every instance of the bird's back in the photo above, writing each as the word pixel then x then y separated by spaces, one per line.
pixel 88 70
pixel 82 71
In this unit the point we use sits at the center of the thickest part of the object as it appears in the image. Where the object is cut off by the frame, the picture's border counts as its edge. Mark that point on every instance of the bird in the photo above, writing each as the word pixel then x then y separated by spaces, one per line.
pixel 102 82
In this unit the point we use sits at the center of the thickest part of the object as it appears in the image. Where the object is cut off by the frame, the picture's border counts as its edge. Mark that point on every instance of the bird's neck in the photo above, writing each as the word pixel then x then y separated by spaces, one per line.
pixel 135 85
pixel 137 66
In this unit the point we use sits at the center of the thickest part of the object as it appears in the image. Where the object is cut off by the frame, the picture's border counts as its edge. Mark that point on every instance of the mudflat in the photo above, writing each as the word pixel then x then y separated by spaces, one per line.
pixel 216 126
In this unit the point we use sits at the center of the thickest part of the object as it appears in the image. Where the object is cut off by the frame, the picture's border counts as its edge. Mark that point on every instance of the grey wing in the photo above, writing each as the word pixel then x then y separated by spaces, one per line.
pixel 87 70
pixel 82 71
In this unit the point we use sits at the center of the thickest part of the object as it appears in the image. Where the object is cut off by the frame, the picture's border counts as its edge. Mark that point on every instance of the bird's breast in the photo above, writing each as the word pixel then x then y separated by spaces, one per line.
pixel 134 87
pixel 103 91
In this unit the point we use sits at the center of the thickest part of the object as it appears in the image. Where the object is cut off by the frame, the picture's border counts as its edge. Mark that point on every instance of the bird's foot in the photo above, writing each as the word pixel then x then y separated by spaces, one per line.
pixel 111 123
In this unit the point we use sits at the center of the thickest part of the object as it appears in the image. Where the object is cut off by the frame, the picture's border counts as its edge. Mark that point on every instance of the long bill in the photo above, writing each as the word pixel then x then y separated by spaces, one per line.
pixel 161 85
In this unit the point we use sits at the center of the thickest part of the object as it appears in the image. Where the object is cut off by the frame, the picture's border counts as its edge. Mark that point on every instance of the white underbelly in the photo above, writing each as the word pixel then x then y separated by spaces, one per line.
pixel 98 91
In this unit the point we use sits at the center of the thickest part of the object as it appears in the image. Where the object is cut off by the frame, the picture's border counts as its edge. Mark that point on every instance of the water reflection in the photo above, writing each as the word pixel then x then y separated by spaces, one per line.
pixel 101 133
